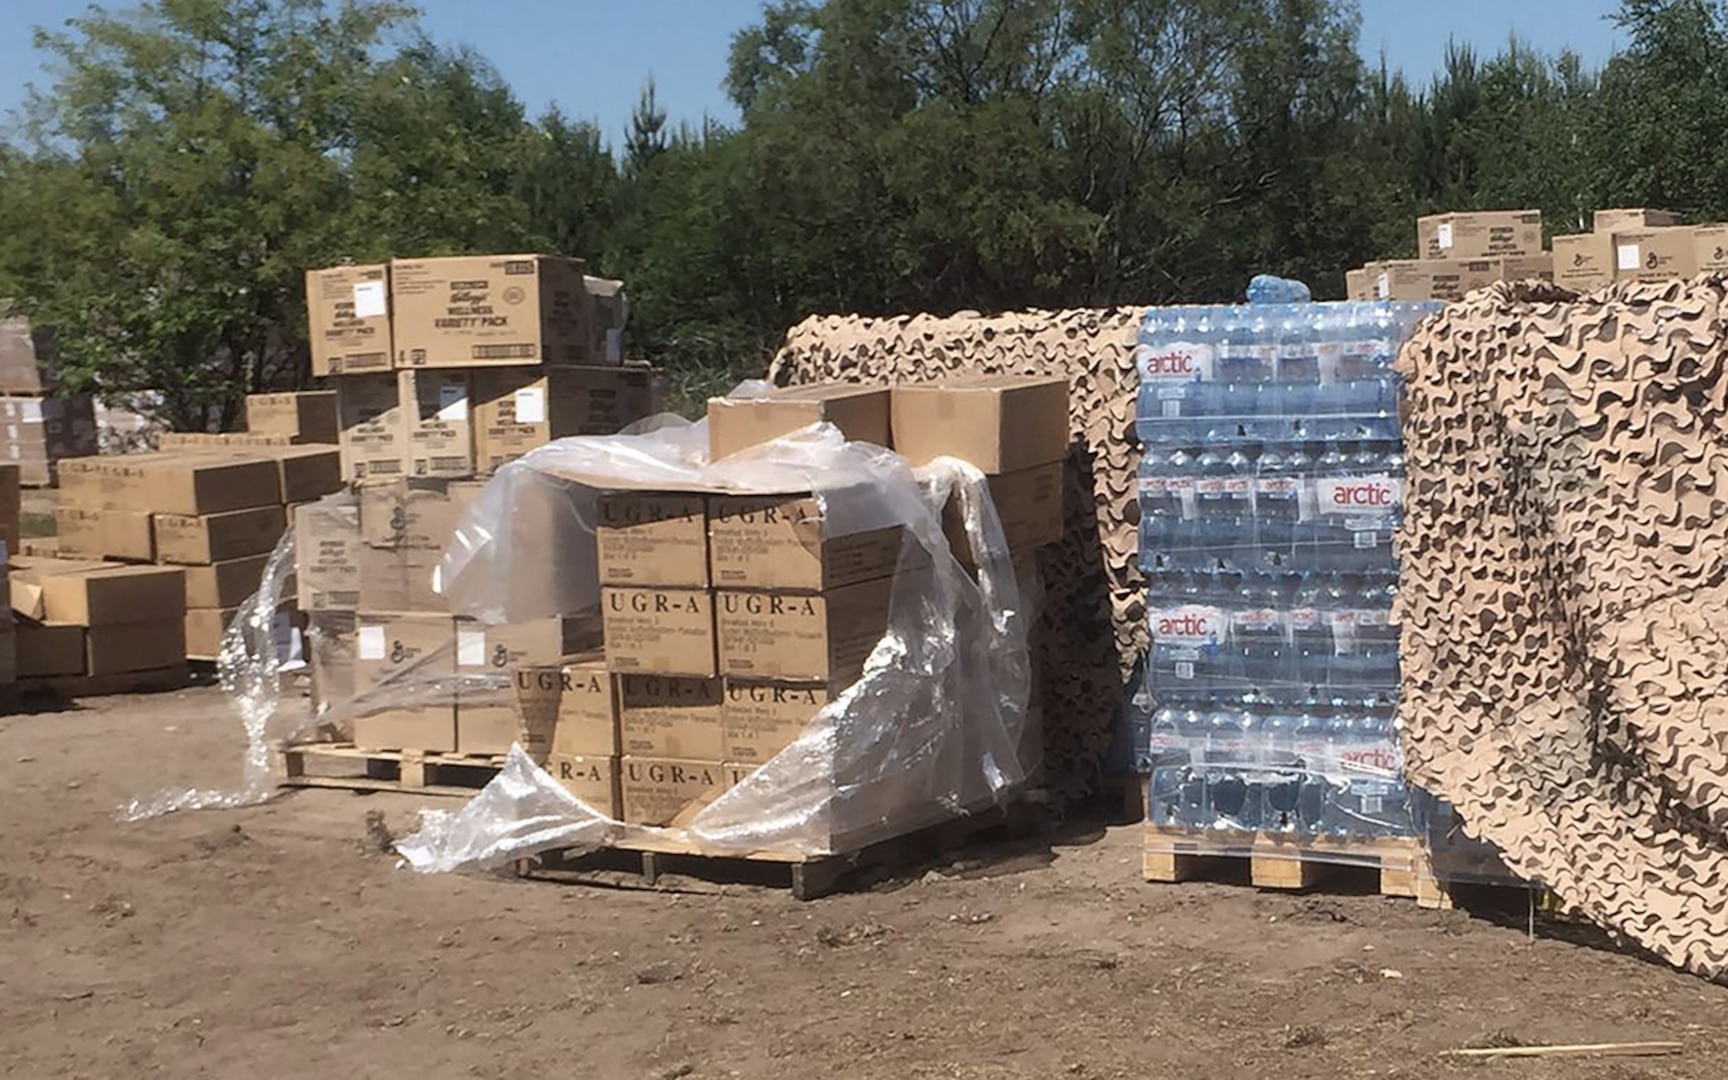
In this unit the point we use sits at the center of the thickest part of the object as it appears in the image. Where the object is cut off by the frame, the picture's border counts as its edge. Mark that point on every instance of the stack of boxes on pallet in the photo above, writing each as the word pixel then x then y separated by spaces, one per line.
pixel 37 427
pixel 215 511
pixel 727 621
pixel 1459 252
pixel 1639 245
pixel 79 620
pixel 445 370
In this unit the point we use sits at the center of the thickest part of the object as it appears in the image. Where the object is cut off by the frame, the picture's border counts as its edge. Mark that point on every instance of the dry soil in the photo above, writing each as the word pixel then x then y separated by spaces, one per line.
pixel 279 941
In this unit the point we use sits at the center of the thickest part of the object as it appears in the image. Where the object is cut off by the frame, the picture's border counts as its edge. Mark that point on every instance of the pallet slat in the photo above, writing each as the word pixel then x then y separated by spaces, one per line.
pixel 346 766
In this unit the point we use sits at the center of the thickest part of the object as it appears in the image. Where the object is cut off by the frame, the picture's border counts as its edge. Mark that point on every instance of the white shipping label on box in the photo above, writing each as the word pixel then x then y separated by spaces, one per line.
pixel 471 648
pixel 369 300
pixel 1443 236
pixel 530 405
pixel 1383 286
pixel 1626 257
pixel 453 403
pixel 12 432
pixel 32 412
pixel 371 643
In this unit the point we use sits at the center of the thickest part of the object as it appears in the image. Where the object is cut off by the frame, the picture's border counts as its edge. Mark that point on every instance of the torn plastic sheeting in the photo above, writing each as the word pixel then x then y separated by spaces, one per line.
pixel 250 667
pixel 932 728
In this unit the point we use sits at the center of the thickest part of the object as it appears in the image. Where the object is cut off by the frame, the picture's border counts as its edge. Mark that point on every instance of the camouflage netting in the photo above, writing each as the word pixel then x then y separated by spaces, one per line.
pixel 1565 595
pixel 1093 625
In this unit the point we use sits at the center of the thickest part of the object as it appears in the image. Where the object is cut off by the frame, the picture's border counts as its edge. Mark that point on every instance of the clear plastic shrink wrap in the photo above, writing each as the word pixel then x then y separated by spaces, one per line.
pixel 935 726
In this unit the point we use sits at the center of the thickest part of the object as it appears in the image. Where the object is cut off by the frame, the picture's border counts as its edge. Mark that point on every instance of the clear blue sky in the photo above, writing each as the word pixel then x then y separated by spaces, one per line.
pixel 592 57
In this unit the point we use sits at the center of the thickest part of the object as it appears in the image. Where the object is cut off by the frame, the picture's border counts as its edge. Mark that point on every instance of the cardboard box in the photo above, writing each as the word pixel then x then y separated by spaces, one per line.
pixel 222 440
pixel 1479 235
pixel 817 638
pixel 1654 255
pixel 658 791
pixel 99 594
pixel 117 648
pixel 400 579
pixel 373 439
pixel 45 650
pixel 196 484
pixel 419 513
pixel 660 631
pixel 20 367
pixel 436 413
pixel 429 728
pixel 212 538
pixel 760 719
pixel 1538 267
pixel 307 417
pixel 781 542
pixel 37 433
pixel 860 412
pixel 224 584
pixel 348 309
pixel 999 423
pixel 308 472
pixel 1359 284
pixel 644 538
pixel 80 533
pixel 1028 504
pixel 327 555
pixel 594 780
pixel 330 645
pixel 1435 279
pixel 1710 248
pixel 478 310
pixel 204 629
pixel 568 708
pixel 129 534
pixel 518 409
pixel 668 717
pixel 488 716
pixel 1622 220
pixel 401 648
pixel 1585 261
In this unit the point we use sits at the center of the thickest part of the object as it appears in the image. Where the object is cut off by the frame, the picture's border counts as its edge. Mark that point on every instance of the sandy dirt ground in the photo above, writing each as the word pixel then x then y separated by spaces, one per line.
pixel 279 941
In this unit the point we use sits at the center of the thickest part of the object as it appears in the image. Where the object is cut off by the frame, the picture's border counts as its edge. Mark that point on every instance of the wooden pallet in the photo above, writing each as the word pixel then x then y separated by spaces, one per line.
pixel 346 766
pixel 644 864
pixel 156 680
pixel 1391 866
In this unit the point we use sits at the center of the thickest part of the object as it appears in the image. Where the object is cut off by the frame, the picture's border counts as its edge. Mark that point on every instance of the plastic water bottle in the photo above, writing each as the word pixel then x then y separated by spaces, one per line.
pixel 1268 289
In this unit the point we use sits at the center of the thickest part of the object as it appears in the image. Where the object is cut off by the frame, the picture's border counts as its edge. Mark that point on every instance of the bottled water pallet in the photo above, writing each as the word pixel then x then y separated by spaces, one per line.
pixel 347 767
pixel 647 864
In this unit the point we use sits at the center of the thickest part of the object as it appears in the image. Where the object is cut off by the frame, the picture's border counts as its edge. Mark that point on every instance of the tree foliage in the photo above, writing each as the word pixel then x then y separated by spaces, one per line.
pixel 193 157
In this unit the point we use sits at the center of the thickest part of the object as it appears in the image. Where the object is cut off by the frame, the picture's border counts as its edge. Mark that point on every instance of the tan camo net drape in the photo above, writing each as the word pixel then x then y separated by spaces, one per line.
pixel 1564 607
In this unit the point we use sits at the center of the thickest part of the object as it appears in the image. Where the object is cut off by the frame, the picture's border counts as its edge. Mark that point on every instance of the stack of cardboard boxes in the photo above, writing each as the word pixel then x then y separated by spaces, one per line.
pixel 365 573
pixel 1459 252
pixel 732 620
pixel 727 621
pixel 444 370
pixel 213 512
pixel 1639 245
pixel 449 368
pixel 37 427
pixel 80 620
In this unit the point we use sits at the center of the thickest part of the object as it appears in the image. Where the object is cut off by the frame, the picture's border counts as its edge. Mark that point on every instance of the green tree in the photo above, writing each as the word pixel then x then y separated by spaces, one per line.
pixel 183 167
